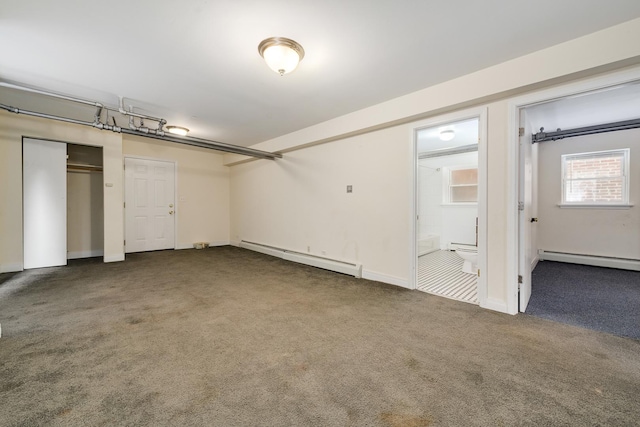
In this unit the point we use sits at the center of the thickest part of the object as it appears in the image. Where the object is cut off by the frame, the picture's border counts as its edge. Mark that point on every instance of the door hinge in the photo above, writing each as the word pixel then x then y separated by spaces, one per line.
pixel 520 206
pixel 519 279
pixel 124 204
pixel 478 272
pixel 124 242
pixel 521 132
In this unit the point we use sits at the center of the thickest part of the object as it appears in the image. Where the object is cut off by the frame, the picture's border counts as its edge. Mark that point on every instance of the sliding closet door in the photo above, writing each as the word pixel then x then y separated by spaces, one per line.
pixel 44 172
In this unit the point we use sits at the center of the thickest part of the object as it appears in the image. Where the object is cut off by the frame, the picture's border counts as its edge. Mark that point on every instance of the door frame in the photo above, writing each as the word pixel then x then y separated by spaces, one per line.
pixel 175 193
pixel 479 113
pixel 616 78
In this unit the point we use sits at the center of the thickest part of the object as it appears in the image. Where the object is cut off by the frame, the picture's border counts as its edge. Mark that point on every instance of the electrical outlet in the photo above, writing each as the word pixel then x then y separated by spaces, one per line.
pixel 349 188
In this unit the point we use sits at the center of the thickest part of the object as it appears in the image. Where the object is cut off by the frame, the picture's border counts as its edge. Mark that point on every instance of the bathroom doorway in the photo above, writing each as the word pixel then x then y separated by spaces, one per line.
pixel 450 192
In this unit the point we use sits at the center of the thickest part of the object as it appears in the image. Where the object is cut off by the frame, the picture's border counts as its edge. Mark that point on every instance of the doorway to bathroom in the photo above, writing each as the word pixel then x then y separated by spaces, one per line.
pixel 450 189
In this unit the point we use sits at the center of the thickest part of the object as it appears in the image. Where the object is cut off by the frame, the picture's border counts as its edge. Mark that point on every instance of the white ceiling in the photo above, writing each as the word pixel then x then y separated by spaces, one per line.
pixel 196 63
pixel 465 133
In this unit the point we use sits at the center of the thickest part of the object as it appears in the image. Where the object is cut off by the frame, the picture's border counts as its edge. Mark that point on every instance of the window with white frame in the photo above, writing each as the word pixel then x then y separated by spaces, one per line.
pixel 461 185
pixel 598 178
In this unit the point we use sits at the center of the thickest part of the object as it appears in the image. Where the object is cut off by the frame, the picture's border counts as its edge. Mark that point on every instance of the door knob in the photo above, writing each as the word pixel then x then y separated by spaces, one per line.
pixel 534 219
pixel 171 205
pixel 170 212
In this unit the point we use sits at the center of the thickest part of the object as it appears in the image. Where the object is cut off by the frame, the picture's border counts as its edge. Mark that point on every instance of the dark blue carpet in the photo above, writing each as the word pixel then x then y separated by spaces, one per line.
pixel 603 299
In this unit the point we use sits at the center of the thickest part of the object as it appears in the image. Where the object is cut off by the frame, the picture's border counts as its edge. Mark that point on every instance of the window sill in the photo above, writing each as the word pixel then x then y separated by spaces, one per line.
pixel 594 206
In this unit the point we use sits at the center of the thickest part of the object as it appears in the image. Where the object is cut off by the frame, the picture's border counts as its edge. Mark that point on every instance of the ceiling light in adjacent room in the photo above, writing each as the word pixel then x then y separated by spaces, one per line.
pixel 447 135
pixel 282 55
pixel 178 130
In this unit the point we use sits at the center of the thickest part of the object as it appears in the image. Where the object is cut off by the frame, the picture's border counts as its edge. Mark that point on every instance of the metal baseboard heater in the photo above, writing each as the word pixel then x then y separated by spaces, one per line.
pixel 347 268
pixel 597 261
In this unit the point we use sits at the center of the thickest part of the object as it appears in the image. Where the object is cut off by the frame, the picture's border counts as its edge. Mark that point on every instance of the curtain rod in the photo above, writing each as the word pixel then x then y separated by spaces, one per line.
pixel 543 136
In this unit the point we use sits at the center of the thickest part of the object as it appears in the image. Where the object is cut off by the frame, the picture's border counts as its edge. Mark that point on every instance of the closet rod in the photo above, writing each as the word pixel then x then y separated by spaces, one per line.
pixel 543 136
pixel 78 166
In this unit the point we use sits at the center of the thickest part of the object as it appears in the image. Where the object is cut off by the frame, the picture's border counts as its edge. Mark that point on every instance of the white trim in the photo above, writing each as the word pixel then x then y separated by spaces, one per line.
pixel 514 105
pixel 11 268
pixel 344 267
pixel 85 254
pixel 496 305
pixel 114 258
pixel 385 278
pixel 595 260
pixel 479 113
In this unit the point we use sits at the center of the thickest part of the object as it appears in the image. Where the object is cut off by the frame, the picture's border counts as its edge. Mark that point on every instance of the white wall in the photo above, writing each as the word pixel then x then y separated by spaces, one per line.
pixel 588 231
pixel 202 192
pixel 429 199
pixel 300 202
pixel 85 214
pixel 454 224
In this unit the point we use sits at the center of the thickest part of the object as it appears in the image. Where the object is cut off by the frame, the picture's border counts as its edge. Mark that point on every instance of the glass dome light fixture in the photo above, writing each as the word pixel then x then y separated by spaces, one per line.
pixel 178 130
pixel 447 135
pixel 281 54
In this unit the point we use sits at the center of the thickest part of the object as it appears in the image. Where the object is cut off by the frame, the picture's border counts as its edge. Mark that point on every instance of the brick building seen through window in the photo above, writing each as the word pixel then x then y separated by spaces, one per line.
pixel 596 178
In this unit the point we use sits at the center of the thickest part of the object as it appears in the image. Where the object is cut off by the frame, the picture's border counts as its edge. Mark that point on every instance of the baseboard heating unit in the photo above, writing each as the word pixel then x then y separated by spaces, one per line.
pixel 597 261
pixel 350 269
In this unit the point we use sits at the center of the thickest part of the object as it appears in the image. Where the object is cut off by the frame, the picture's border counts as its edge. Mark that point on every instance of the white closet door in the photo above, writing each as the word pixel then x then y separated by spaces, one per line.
pixel 44 178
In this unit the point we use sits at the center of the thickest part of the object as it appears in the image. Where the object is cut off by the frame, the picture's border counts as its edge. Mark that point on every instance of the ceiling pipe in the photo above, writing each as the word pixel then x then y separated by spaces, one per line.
pixel 51 94
pixel 130 113
pixel 155 134
pixel 143 131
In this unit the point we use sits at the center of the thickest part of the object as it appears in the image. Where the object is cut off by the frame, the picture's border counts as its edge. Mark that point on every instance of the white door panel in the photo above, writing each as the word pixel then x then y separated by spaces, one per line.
pixel 149 205
pixel 526 243
pixel 44 203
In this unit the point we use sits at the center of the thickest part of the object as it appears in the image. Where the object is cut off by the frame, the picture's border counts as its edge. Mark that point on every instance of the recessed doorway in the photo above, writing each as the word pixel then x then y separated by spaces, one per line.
pixel 450 216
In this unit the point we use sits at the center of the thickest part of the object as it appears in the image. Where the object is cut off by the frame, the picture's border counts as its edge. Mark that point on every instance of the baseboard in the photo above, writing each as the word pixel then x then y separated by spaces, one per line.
pixel 11 268
pixel 597 261
pixel 85 254
pixel 352 269
pixel 263 249
pixel 495 305
pixel 384 278
pixel 114 258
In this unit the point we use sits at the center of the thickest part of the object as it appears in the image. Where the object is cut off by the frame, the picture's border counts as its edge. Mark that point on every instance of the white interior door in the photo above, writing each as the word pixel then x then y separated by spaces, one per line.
pixel 526 243
pixel 44 178
pixel 149 205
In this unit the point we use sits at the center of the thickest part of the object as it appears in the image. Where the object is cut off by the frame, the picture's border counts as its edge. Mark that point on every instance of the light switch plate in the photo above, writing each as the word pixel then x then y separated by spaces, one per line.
pixel 349 188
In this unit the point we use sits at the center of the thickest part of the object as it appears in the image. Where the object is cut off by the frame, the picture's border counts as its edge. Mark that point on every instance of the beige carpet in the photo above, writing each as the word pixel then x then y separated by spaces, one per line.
pixel 227 337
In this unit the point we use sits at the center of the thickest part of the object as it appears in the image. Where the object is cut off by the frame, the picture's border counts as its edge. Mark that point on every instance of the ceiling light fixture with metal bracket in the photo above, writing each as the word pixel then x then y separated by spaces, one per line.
pixel 281 54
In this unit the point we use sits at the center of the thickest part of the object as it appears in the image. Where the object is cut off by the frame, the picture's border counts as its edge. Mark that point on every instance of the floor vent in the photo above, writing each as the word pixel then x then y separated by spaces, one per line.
pixel 326 263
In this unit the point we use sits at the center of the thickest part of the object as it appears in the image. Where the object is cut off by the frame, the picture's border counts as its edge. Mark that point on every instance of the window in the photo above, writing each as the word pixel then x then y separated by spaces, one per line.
pixel 461 185
pixel 599 178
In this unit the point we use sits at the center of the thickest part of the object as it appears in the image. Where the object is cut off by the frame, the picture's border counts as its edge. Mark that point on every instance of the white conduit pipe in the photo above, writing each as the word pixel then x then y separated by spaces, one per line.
pixel 135 130
pixel 155 134
pixel 54 95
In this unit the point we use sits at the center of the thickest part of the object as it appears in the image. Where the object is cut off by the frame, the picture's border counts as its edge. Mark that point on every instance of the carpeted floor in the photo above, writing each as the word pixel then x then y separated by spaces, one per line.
pixel 228 337
pixel 598 298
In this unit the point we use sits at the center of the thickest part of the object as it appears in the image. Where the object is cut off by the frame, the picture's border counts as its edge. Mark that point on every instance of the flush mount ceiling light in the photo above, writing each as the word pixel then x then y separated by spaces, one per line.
pixel 178 130
pixel 281 54
pixel 447 135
